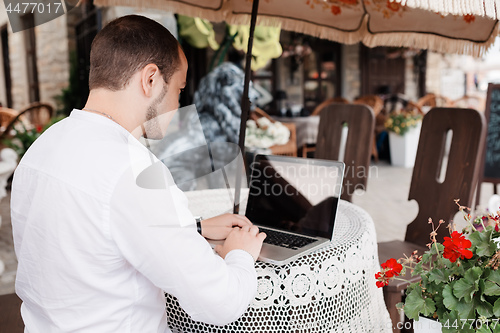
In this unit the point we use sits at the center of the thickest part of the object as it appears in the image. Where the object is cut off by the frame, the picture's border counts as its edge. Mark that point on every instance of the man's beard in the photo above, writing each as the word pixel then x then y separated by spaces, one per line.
pixel 152 128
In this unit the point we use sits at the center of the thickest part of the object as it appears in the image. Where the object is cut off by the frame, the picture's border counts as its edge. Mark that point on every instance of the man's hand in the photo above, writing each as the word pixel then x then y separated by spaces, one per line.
pixel 246 238
pixel 219 227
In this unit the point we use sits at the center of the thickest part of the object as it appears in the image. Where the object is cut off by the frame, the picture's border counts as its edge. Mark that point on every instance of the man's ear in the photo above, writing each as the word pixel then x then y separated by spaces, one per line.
pixel 150 77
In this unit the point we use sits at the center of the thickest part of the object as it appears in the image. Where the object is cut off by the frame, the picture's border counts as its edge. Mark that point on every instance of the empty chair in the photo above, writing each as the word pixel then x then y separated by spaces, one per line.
pixel 434 193
pixel 471 102
pixel 377 105
pixel 6 116
pixel 34 116
pixel 358 121
pixel 322 105
pixel 310 148
pixel 431 100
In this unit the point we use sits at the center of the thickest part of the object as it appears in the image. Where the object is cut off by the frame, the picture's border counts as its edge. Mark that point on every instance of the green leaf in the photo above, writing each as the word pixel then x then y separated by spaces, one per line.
pixel 492 284
pixel 496 308
pixel 495 325
pixel 438 276
pixel 451 323
pixel 483 328
pixel 449 300
pixel 415 305
pixel 466 310
pixel 473 274
pixel 484 308
pixel 481 241
pixel 465 289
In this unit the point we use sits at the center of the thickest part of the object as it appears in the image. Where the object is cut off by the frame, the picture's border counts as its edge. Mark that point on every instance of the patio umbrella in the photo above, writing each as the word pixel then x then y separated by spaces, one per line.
pixel 372 22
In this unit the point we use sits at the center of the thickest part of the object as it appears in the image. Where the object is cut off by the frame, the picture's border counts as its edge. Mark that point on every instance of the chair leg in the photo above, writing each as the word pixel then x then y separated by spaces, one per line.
pixel 391 299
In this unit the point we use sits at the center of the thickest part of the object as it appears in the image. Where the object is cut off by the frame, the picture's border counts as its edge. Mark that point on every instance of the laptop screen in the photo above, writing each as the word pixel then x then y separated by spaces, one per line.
pixel 295 194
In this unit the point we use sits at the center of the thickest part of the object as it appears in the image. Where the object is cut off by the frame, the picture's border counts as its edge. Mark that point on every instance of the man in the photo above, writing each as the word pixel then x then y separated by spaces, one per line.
pixel 100 230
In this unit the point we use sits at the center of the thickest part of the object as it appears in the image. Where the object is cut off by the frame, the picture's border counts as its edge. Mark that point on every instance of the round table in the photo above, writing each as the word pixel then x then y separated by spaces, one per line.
pixel 330 290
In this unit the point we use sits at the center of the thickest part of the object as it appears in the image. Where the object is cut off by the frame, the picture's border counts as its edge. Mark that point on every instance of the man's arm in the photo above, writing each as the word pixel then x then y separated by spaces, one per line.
pixel 146 226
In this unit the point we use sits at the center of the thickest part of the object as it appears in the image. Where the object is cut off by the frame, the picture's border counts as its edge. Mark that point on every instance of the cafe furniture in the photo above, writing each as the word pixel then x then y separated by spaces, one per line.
pixel 329 290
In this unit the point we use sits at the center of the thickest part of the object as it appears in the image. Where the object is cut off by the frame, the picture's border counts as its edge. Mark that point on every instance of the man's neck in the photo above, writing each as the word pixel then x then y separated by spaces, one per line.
pixel 115 105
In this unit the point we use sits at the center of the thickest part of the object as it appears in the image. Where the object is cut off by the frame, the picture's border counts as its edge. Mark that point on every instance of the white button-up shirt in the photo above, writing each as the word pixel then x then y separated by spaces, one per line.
pixel 100 232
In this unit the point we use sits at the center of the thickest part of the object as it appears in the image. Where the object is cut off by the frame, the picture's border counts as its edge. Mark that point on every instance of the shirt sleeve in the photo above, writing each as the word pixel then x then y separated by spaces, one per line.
pixel 155 232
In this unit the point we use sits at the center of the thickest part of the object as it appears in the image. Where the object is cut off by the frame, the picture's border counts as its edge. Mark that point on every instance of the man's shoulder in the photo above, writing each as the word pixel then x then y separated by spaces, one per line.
pixel 85 157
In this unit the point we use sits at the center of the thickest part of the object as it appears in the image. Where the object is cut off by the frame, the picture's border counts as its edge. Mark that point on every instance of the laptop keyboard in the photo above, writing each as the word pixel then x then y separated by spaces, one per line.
pixel 285 240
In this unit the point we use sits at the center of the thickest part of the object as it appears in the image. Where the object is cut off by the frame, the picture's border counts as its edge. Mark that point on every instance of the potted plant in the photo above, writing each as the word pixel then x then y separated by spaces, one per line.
pixel 404 132
pixel 460 280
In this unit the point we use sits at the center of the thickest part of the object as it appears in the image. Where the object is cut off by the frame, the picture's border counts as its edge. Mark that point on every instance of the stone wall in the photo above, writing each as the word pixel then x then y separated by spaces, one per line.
pixel 411 80
pixel 52 61
pixel 350 71
pixel 52 58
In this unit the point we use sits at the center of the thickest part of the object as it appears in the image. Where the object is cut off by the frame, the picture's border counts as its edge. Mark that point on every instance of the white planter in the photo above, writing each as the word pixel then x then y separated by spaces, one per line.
pixel 404 147
pixel 425 325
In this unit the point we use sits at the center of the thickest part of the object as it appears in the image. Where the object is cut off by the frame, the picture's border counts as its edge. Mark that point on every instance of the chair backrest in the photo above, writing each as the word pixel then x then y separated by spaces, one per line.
pixel 36 114
pixel 412 107
pixel 6 116
pixel 472 102
pixel 436 199
pixel 360 122
pixel 322 105
pixel 373 101
pixel 432 100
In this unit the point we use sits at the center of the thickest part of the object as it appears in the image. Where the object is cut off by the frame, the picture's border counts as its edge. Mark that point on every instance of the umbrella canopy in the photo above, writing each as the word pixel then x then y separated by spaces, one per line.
pixel 488 8
pixel 372 22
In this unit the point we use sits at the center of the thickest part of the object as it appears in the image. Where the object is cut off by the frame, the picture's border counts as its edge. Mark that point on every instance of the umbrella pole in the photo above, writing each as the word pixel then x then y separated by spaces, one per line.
pixel 245 105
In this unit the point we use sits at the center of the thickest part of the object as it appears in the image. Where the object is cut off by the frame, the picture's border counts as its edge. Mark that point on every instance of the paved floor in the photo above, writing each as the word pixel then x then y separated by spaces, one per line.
pixel 385 199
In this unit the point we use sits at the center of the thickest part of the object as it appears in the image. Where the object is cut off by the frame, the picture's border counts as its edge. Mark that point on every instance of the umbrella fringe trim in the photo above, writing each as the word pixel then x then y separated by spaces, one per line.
pixel 431 42
pixel 488 8
pixel 341 36
pixel 414 39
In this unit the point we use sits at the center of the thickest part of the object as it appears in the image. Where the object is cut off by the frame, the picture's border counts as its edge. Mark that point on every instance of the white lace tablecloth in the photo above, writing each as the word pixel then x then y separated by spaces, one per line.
pixel 330 290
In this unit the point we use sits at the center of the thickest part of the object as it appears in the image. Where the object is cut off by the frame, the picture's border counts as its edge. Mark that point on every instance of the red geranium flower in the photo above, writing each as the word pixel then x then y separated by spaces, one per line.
pixel 392 265
pixel 390 269
pixel 39 128
pixel 456 247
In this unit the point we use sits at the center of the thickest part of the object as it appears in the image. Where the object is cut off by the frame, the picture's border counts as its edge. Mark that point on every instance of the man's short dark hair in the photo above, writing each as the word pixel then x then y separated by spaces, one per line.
pixel 125 46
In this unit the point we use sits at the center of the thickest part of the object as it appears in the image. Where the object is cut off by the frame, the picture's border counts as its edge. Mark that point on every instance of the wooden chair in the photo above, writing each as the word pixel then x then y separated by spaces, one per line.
pixel 6 116
pixel 322 105
pixel 360 121
pixel 10 314
pixel 311 148
pixel 34 115
pixel 413 108
pixel 471 102
pixel 377 105
pixel 432 100
pixel 435 199
pixel 289 148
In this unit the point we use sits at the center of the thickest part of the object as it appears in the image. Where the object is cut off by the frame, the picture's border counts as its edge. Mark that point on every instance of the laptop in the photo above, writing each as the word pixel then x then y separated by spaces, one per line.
pixel 294 201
